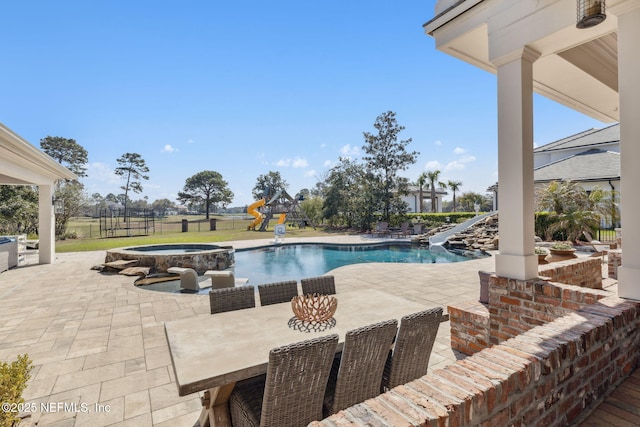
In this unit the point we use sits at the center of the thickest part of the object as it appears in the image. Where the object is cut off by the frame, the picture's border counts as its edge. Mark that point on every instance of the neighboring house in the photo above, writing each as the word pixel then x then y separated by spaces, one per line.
pixel 113 206
pixel 590 158
pixel 413 199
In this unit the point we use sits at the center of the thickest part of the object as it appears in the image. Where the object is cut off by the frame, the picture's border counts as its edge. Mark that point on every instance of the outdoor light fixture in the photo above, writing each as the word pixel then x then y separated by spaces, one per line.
pixel 58 206
pixel 590 13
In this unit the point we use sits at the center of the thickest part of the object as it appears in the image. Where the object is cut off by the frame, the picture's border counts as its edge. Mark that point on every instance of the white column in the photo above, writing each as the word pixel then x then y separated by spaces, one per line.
pixel 629 92
pixel 46 225
pixel 515 166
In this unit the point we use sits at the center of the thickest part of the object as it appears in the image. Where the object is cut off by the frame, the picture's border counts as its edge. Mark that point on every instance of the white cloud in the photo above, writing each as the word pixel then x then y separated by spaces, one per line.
pixel 101 172
pixel 437 143
pixel 169 149
pixel 433 165
pixel 300 163
pixel 460 163
pixel 311 172
pixel 327 163
pixel 296 162
pixel 189 141
pixel 467 159
pixel 459 150
pixel 348 151
pixel 323 146
pixel 455 165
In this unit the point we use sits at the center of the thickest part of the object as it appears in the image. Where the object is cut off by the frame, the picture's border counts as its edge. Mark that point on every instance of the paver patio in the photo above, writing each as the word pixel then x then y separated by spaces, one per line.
pixel 96 339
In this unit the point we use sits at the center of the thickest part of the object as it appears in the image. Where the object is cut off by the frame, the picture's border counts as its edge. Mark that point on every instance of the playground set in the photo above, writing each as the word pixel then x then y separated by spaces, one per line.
pixel 280 203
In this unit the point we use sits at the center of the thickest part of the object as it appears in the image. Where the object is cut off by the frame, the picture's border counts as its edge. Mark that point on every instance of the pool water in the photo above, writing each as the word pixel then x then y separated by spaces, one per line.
pixel 294 262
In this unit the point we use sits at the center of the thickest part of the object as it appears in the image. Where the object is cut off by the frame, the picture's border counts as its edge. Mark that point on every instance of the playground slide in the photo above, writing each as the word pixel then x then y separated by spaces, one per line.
pixel 282 219
pixel 252 210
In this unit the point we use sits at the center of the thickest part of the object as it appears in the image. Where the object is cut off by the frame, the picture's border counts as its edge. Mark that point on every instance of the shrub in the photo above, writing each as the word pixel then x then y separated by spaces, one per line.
pixel 538 250
pixel 438 218
pixel 13 381
pixel 562 246
pixel 543 222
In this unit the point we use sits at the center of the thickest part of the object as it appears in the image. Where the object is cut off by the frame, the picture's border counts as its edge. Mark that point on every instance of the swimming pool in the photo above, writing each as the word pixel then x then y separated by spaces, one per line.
pixel 296 261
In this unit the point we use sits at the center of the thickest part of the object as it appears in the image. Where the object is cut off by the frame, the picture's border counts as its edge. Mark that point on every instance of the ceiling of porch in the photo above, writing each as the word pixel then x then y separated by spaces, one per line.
pixel 577 68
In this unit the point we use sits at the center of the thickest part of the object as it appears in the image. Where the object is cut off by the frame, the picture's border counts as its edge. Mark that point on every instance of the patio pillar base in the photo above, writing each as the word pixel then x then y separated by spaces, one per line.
pixel 521 267
pixel 628 283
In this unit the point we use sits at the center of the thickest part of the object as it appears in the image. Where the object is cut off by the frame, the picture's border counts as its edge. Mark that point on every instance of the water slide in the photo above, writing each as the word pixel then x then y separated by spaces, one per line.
pixel 436 241
pixel 252 210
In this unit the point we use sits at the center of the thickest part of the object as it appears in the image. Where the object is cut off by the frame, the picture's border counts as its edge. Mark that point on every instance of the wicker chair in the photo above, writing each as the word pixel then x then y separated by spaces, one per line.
pixel 324 285
pixel 291 393
pixel 229 299
pixel 361 366
pixel 275 293
pixel 410 356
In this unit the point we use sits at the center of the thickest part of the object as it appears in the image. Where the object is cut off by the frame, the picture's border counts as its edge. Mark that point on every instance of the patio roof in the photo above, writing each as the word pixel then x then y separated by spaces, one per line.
pixel 570 59
pixel 23 164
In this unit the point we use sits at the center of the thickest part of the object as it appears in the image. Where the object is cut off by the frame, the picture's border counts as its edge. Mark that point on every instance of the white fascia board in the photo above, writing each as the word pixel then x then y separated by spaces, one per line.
pixel 18 154
pixel 449 15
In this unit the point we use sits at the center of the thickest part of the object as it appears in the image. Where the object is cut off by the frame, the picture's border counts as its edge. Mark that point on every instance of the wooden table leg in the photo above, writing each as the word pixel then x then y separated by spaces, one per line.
pixel 215 407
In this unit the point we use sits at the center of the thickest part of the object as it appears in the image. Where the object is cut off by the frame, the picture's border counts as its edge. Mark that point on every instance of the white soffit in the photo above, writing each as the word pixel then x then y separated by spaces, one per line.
pixel 577 68
pixel 22 163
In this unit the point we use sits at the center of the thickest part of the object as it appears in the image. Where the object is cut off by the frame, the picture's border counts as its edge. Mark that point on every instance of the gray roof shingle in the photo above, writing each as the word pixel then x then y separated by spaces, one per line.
pixel 587 138
pixel 591 165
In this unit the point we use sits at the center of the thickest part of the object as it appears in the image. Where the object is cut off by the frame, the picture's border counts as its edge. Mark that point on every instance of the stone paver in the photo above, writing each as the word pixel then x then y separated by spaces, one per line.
pixel 96 339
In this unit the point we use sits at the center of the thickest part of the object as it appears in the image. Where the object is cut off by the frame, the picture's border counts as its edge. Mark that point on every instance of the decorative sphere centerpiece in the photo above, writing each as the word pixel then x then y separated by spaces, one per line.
pixel 314 308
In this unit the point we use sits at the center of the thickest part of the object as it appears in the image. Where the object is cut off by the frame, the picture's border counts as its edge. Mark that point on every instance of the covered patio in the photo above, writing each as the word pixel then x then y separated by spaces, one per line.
pixel 23 164
pixel 537 46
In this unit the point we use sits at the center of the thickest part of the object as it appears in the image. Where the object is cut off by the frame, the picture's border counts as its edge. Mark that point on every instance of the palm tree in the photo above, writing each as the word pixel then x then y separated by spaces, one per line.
pixel 572 209
pixel 420 182
pixel 433 179
pixel 454 186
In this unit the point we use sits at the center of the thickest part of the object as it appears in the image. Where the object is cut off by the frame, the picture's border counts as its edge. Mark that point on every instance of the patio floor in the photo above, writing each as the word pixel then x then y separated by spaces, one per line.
pixel 97 340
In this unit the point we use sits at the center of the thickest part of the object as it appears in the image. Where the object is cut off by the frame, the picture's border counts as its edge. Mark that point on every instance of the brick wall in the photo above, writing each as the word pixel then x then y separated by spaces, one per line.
pixel 614 260
pixel 557 350
pixel 516 306
pixel 471 332
pixel 546 376
pixel 584 272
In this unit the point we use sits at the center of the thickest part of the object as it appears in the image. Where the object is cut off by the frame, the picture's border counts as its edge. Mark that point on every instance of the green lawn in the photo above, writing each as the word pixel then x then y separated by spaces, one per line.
pixel 169 231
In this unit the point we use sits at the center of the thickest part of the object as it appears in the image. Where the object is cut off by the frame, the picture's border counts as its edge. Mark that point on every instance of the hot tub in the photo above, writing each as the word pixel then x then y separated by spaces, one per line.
pixel 199 256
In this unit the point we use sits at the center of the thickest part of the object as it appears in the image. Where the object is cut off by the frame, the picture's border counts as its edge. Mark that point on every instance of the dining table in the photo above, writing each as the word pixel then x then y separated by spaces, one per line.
pixel 210 354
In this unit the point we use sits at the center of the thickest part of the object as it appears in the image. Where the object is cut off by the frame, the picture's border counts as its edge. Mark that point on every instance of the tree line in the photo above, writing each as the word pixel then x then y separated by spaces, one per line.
pixel 354 193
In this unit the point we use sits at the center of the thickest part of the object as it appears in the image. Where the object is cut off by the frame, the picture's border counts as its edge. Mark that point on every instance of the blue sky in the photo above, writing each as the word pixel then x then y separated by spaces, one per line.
pixel 244 88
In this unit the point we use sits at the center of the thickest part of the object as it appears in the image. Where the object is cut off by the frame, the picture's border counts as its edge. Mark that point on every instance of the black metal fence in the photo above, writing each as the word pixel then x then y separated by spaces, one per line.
pixel 87 227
